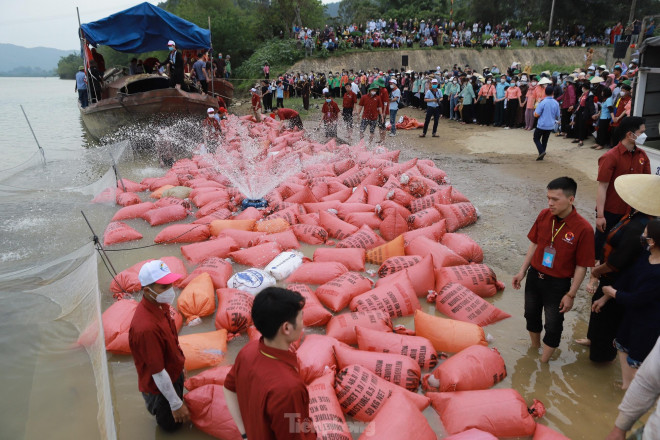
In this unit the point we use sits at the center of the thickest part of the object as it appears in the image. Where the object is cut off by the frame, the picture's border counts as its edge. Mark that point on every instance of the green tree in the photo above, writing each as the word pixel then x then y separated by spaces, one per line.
pixel 68 66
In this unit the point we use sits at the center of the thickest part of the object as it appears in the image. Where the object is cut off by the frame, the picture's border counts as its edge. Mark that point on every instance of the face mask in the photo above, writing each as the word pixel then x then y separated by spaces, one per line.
pixel 502 81
pixel 524 82
pixel 455 82
pixel 488 82
pixel 534 83
pixel 166 297
pixel 328 100
pixel 171 48
pixel 373 93
pixel 435 86
pixel 518 83
pixel 641 139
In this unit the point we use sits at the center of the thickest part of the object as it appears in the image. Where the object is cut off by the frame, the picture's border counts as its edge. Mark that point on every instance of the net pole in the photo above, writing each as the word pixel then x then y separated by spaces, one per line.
pixel 117 175
pixel 98 243
pixel 41 150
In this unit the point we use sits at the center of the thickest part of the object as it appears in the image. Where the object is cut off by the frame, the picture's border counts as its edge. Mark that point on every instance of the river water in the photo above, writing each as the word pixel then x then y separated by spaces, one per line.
pixel 48 382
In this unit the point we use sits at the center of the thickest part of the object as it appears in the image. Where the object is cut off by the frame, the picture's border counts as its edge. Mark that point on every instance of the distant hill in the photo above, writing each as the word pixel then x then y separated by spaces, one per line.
pixel 332 9
pixel 23 61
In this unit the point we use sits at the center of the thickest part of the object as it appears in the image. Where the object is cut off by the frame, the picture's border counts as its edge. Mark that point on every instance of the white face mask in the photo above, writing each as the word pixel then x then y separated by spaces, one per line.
pixel 166 297
pixel 641 139
pixel 488 82
pixel 502 81
pixel 533 83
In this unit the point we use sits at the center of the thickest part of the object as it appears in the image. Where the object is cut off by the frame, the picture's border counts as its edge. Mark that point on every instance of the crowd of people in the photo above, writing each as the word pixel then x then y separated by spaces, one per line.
pixel 411 33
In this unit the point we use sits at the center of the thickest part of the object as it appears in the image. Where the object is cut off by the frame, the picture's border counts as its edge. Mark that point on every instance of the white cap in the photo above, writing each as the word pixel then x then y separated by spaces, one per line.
pixel 253 90
pixel 210 110
pixel 434 81
pixel 326 90
pixel 156 271
pixel 171 43
pixel 602 66
pixel 544 80
pixel 392 81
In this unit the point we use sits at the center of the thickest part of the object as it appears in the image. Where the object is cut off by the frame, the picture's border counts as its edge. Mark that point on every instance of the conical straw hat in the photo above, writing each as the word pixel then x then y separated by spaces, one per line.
pixel 640 191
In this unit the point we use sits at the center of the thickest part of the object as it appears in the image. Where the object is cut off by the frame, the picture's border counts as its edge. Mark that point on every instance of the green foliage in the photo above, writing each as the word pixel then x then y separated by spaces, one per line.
pixel 68 66
pixel 279 54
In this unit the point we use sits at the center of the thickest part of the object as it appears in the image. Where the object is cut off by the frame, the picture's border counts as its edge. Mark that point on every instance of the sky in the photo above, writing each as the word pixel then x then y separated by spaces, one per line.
pixel 53 23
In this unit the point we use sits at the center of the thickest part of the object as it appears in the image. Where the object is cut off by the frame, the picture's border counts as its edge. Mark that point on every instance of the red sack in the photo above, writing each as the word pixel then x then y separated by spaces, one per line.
pixel 415 347
pixel 361 393
pixel 321 206
pixel 434 232
pixel 324 409
pixel 544 433
pixel 209 412
pixel 234 310
pixel 212 376
pixel 394 368
pixel 338 196
pixel 392 226
pixel 244 239
pixel 352 258
pixel 315 354
pixel 335 227
pixel 220 271
pixel 183 234
pixel 127 199
pixel 398 419
pixel 396 298
pixel 479 278
pixel 285 218
pixel 474 368
pixel 307 219
pixel 376 194
pixel 310 234
pixel 316 273
pixel 424 218
pixel 472 434
pixel 250 213
pixel 457 215
pixel 305 195
pixel 448 335
pixel 221 214
pixel 208 197
pixel 131 186
pixel 389 207
pixel 167 214
pixel 257 256
pixel 464 246
pixel 314 314
pixel 346 209
pixel 442 255
pixel 369 219
pixel 396 264
pixel 442 197
pixel 133 211
pixel 342 327
pixel 337 294
pixel 364 238
pixel 286 239
pixel 219 226
pixel 119 232
pixel 435 174
pixel 459 302
pixel 502 412
pixel 458 197
pixel 198 298
pixel 221 247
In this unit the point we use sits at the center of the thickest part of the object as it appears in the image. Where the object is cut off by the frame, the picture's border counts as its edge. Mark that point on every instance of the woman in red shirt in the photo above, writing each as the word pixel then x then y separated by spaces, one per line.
pixel 330 117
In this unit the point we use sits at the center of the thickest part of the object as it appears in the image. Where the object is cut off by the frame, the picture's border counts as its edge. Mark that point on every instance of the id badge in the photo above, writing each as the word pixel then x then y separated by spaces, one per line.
pixel 549 257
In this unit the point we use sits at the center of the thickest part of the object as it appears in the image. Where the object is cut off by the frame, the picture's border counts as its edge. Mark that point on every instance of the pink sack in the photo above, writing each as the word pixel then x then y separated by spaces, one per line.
pixel 396 264
pixel 457 215
pixel 415 347
pixel 209 412
pixel 479 278
pixel 315 354
pixel 234 310
pixel 119 232
pixel 220 271
pixel 221 247
pixel 352 258
pixel 442 255
pixel 186 233
pixel 314 314
pixel 458 302
pixel 257 256
pixel 167 214
pixel 325 411
pixel 464 246
pixel 212 376
pixel 133 211
pixel 394 368
pixel 396 298
pixel 310 234
pixel 364 238
pixel 336 294
pixel 316 273
pixel 473 368
pixel 398 419
pixel 342 327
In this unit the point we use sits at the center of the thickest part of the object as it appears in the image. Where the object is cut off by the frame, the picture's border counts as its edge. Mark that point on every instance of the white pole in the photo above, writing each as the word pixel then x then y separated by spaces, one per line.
pixel 552 14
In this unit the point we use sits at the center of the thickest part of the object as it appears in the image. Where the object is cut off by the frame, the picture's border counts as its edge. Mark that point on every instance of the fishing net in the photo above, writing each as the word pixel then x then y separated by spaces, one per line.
pixel 58 365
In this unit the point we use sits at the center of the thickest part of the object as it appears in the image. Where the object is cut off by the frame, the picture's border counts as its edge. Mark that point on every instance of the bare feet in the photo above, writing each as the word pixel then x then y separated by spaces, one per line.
pixel 583 341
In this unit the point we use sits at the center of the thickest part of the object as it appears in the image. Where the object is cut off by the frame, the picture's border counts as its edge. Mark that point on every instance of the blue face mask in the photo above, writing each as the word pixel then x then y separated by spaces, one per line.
pixel 171 48
pixel 328 100
pixel 435 86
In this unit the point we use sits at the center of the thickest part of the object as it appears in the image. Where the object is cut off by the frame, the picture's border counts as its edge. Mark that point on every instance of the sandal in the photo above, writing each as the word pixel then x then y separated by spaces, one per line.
pixel 574 141
pixel 598 147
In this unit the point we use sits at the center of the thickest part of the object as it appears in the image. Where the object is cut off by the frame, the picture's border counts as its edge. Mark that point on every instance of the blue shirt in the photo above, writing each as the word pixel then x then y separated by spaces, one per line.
pixel 548 111
pixel 394 105
pixel 604 110
pixel 199 68
pixel 280 92
pixel 81 84
pixel 430 95
pixel 499 89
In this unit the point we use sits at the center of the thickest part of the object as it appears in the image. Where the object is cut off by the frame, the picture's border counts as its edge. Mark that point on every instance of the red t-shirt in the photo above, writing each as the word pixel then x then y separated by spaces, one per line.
pixel 154 344
pixel 350 99
pixel 269 389
pixel 286 113
pixel 616 162
pixel 256 102
pixel 574 243
pixel 371 106
pixel 385 98
pixel 330 111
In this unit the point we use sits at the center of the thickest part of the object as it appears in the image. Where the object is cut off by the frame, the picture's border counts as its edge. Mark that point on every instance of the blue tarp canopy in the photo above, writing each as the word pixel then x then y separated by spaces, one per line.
pixel 145 28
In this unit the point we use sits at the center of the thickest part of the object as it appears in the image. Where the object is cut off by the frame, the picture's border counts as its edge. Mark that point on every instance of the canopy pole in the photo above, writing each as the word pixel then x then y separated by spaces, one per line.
pixel 82 54
pixel 41 150
pixel 211 44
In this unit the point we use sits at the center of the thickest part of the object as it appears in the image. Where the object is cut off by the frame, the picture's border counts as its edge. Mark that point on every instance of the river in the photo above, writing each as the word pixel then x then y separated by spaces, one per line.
pixel 48 382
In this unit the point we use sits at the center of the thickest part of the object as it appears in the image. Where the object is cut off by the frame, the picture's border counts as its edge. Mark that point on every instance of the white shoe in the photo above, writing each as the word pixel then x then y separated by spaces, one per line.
pixel 506 128
pixel 392 134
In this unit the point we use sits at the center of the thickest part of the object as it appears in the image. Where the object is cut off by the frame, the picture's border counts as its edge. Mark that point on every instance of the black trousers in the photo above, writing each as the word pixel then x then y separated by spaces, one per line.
pixel 499 114
pixel 467 113
pixel 511 112
pixel 603 327
pixel 541 139
pixel 566 122
pixel 611 219
pixel 158 406
pixel 431 112
pixel 305 100
pixel 347 114
pixel 603 137
pixel 542 296
pixel 485 116
pixel 445 106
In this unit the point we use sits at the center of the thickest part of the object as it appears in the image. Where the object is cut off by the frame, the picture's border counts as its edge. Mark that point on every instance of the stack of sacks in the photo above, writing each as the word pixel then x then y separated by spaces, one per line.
pixel 358 208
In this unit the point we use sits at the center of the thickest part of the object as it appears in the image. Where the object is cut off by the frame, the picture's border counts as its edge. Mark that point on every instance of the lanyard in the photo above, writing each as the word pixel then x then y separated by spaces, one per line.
pixel 268 355
pixel 552 240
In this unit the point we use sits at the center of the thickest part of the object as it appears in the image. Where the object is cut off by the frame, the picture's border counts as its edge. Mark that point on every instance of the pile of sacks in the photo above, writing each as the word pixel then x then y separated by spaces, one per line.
pixel 359 208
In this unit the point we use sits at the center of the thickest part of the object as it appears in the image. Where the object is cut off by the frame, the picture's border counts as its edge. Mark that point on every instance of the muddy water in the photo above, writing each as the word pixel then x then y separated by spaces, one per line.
pixel 509 191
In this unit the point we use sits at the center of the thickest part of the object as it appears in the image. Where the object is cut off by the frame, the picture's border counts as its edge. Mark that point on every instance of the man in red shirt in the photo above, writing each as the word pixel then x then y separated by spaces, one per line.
pixel 256 104
pixel 330 116
pixel 385 98
pixel 371 109
pixel 289 114
pixel 625 158
pixel 350 99
pixel 155 347
pixel 562 247
pixel 264 392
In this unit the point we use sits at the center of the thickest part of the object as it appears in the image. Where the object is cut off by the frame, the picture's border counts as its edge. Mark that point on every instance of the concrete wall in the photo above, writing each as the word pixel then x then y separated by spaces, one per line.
pixel 428 59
